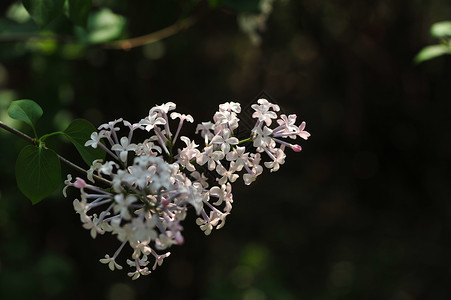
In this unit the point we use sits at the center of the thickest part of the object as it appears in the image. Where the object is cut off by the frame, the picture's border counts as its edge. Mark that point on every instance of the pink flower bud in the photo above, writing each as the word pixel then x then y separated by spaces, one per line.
pixel 296 148
pixel 79 183
pixel 179 239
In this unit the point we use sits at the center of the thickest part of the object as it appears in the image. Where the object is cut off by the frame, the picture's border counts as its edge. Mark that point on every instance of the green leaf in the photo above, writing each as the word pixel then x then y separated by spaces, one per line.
pixel 79 132
pixel 25 110
pixel 38 172
pixel 79 11
pixel 103 26
pixel 242 6
pixel 44 11
pixel 430 52
pixel 441 29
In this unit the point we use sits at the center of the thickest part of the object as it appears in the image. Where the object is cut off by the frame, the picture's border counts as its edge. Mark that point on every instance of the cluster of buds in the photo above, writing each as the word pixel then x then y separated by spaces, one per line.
pixel 151 184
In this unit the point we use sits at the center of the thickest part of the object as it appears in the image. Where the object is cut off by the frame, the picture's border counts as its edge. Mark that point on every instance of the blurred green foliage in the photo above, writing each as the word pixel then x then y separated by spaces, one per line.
pixel 442 31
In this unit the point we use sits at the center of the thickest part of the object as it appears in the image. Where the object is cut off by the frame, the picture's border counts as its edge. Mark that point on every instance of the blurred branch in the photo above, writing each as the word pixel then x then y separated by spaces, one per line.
pixel 175 28
pixel 33 141
pixel 125 44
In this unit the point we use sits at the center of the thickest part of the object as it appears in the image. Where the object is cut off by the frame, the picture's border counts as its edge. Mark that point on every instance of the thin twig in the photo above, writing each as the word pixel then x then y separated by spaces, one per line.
pixel 18 133
pixel 127 44
pixel 64 160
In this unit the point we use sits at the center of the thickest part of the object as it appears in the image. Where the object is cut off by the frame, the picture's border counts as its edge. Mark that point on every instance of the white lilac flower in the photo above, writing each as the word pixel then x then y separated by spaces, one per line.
pixel 163 108
pixel 144 229
pixel 204 225
pixel 111 125
pixel 122 205
pixel 92 225
pixel 279 159
pixel 263 112
pixel 95 166
pixel 230 106
pixel 159 259
pixel 239 156
pixel 252 174
pixel 67 183
pixel 138 263
pixel 287 124
pixel 95 139
pixel 81 208
pixel 110 130
pixel 141 248
pixel 112 264
pixel 227 175
pixel 132 128
pixel 151 121
pixel 302 133
pixel 205 129
pixel 211 221
pixel 123 148
pixel 201 178
pixel 288 128
pixel 254 169
pixel 182 118
pixel 195 197
pixel 209 157
pixel 161 111
pixel 188 153
pixel 225 120
pixel 107 168
pixel 262 137
pixel 147 201
pixel 224 194
pixel 224 141
pixel 148 147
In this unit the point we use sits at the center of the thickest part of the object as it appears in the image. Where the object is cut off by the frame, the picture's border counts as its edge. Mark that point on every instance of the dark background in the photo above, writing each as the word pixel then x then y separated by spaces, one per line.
pixel 363 212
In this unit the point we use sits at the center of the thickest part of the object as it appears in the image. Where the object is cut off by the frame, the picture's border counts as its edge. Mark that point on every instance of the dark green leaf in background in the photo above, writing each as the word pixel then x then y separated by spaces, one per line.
pixel 25 110
pixel 79 11
pixel 38 172
pixel 44 11
pixel 79 132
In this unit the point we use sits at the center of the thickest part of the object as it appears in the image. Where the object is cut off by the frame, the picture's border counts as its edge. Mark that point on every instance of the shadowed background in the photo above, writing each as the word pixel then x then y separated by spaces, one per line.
pixel 363 212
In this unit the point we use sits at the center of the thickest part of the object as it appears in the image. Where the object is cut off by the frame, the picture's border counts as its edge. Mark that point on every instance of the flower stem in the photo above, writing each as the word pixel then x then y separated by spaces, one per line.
pixel 245 140
pixel 50 134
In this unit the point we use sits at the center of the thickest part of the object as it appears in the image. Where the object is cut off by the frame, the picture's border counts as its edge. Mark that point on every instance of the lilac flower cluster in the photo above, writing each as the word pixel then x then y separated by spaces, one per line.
pixel 151 184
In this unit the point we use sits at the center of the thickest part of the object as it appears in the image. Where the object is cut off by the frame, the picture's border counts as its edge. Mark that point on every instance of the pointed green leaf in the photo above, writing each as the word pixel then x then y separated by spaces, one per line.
pixel 79 132
pixel 44 11
pixel 38 172
pixel 430 52
pixel 25 110
pixel 79 11
pixel 441 29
